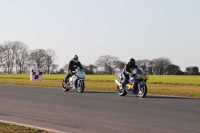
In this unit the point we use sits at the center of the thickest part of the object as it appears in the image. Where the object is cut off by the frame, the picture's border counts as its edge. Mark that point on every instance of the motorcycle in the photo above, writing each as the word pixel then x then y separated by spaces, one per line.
pixel 136 84
pixel 75 82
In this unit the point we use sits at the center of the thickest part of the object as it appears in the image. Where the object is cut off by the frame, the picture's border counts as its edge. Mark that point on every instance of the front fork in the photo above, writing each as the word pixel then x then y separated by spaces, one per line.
pixel 141 84
pixel 138 87
pixel 78 82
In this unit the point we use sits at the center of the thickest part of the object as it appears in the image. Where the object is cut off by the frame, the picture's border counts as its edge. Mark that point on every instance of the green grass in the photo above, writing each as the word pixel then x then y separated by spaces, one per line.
pixel 174 80
pixel 153 79
pixel 11 128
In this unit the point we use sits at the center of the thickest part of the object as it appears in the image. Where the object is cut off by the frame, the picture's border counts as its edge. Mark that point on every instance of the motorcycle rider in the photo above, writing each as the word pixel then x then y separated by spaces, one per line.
pixel 73 64
pixel 127 70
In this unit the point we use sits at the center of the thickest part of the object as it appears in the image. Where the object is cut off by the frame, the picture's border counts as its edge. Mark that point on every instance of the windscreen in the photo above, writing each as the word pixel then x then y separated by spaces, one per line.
pixel 139 71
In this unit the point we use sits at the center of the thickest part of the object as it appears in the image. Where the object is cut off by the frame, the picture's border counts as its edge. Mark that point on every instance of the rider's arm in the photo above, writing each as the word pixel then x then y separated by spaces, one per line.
pixel 70 66
pixel 80 66
pixel 126 70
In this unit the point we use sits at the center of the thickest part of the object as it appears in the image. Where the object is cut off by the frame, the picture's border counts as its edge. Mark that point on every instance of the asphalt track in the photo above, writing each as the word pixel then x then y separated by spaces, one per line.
pixel 98 112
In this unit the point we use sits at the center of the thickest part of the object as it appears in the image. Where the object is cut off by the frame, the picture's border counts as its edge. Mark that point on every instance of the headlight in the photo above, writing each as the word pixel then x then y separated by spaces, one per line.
pixel 143 76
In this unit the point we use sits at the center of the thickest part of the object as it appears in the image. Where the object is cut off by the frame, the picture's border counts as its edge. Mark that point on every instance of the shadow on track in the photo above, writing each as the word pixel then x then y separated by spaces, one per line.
pixel 89 91
pixel 160 97
pixel 169 97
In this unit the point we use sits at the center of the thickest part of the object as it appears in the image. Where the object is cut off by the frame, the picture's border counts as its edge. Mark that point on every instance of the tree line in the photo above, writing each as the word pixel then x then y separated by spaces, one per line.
pixel 107 64
pixel 16 56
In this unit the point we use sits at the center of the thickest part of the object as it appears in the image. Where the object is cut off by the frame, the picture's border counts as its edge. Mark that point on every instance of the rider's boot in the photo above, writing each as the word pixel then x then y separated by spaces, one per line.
pixel 66 81
pixel 74 87
pixel 123 84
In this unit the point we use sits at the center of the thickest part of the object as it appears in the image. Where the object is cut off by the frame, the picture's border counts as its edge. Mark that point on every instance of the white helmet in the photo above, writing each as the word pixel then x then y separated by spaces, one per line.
pixel 75 58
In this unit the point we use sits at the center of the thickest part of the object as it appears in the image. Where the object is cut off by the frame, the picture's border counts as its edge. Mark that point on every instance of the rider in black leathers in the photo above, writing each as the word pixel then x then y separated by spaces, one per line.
pixel 127 70
pixel 73 64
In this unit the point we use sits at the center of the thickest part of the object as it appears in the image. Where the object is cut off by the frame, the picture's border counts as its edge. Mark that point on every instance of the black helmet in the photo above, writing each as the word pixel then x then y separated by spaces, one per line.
pixel 132 61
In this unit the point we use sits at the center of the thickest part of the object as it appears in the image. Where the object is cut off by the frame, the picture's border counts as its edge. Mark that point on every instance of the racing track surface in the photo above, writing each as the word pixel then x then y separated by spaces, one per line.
pixel 98 112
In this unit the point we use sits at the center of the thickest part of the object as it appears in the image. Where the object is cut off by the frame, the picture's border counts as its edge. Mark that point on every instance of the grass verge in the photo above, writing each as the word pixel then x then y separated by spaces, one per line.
pixel 12 128
pixel 159 89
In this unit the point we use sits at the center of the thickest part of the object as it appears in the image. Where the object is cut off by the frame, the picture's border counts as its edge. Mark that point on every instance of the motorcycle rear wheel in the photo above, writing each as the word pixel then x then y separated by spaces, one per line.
pixel 64 86
pixel 121 92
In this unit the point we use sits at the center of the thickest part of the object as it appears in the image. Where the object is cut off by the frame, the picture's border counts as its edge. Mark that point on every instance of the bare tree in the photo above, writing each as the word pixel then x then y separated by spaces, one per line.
pixel 144 64
pixel 90 68
pixel 8 56
pixel 1 55
pixel 158 65
pixel 120 65
pixel 55 67
pixel 66 66
pixel 50 58
pixel 107 62
pixel 38 58
pixel 21 56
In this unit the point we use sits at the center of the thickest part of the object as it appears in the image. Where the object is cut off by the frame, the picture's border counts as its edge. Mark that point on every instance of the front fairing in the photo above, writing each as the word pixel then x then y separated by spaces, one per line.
pixel 140 74
pixel 139 71
pixel 131 87
pixel 138 78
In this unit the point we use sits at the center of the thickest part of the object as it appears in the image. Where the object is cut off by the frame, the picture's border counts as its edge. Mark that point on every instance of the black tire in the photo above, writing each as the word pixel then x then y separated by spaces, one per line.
pixel 121 92
pixel 143 91
pixel 81 86
pixel 64 86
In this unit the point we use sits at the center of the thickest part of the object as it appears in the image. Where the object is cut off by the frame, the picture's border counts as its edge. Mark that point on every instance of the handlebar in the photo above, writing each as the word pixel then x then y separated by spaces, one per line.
pixel 75 70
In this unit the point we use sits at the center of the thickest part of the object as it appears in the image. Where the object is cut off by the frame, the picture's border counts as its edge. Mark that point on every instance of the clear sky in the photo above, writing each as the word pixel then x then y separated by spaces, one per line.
pixel 142 29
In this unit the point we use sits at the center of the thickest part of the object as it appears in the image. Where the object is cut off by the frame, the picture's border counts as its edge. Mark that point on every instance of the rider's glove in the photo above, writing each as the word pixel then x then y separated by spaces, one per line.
pixel 134 75
pixel 69 71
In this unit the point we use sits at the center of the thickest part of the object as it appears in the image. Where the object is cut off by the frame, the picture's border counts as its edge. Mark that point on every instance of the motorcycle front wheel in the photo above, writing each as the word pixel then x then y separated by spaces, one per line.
pixel 81 86
pixel 143 91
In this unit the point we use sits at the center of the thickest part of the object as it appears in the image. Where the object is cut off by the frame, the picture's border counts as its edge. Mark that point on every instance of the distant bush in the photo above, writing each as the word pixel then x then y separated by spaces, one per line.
pixel 179 72
pixel 192 70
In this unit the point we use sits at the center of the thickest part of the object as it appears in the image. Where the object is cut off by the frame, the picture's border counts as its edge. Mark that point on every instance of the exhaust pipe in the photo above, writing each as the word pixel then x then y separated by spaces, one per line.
pixel 117 82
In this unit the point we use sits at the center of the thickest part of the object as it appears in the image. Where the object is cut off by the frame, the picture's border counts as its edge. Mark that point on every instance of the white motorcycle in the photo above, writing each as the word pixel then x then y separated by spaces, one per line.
pixel 75 82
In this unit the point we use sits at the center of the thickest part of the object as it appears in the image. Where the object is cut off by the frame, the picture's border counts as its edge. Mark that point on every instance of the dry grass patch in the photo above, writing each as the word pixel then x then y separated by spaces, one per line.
pixel 160 89
pixel 11 128
pixel 174 90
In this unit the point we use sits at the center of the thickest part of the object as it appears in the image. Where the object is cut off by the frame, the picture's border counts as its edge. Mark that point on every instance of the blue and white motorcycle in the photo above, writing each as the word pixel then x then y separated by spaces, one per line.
pixel 136 84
